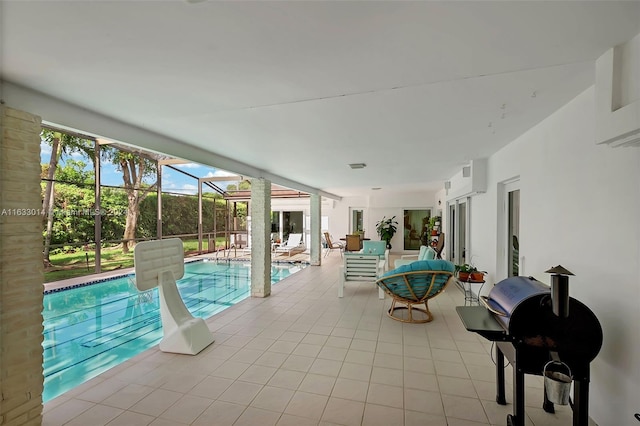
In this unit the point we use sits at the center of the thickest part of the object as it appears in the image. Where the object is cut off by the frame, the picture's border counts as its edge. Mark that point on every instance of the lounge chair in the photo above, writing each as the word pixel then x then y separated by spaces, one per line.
pixel 292 246
pixel 415 284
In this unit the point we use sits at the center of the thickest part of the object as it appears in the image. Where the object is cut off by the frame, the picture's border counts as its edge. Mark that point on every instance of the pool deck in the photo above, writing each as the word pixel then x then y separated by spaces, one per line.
pixel 303 356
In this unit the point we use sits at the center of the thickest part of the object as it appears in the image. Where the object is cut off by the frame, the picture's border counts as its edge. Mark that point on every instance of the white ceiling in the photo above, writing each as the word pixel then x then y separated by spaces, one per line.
pixel 300 89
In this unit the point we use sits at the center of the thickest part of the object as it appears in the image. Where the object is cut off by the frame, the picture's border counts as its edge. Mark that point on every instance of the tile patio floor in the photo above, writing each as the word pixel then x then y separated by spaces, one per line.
pixel 305 357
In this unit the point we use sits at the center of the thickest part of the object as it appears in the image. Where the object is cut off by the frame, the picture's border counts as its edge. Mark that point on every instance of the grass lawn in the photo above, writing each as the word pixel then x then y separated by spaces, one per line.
pixel 71 265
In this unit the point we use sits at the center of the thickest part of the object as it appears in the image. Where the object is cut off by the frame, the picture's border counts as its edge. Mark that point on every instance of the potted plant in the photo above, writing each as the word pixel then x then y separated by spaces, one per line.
pixel 468 272
pixel 386 229
pixel 434 225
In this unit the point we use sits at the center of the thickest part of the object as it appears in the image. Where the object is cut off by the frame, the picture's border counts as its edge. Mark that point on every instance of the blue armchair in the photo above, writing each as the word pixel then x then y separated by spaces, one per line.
pixel 426 253
pixel 415 284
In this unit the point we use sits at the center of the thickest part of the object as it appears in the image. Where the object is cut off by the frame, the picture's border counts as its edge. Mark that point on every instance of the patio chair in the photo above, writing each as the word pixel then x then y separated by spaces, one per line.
pixel 292 246
pixel 414 284
pixel 331 245
pixel 439 246
pixel 354 243
pixel 379 248
pixel 360 267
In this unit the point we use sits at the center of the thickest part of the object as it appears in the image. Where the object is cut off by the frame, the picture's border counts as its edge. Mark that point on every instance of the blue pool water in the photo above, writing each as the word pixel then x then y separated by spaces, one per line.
pixel 89 329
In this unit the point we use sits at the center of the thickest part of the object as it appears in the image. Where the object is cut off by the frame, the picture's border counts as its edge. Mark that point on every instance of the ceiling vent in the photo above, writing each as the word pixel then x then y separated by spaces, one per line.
pixel 357 165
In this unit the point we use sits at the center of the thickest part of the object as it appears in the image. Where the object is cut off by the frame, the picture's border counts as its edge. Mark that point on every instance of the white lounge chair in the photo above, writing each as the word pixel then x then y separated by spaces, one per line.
pixel 293 244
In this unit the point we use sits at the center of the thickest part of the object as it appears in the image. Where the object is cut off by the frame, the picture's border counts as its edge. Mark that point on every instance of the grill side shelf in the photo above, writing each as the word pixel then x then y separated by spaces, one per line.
pixel 479 320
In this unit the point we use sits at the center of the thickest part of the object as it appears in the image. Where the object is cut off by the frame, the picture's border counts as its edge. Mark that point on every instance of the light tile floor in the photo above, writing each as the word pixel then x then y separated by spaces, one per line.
pixel 305 357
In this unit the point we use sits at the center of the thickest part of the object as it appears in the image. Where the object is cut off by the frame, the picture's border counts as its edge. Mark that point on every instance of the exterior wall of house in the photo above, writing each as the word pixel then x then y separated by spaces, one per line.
pixel 301 205
pixel 580 204
pixel 21 269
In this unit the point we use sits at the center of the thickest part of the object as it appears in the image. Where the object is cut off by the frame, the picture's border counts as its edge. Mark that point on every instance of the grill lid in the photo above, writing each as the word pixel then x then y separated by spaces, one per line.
pixel 509 293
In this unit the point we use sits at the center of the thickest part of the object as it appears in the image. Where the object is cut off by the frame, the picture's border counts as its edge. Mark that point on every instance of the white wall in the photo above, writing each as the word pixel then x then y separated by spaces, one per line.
pixel 376 206
pixel 580 207
pixel 339 215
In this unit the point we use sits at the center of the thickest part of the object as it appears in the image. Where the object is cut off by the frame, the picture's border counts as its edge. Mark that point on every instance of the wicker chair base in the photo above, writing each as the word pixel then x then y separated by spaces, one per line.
pixel 410 308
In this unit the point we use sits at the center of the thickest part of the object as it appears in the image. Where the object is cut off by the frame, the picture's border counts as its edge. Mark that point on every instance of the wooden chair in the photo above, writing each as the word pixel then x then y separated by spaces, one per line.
pixel 439 246
pixel 353 243
pixel 360 267
pixel 415 284
pixel 331 245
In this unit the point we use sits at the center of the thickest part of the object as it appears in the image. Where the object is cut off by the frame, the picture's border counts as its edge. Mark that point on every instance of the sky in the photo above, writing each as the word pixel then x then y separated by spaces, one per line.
pixel 172 180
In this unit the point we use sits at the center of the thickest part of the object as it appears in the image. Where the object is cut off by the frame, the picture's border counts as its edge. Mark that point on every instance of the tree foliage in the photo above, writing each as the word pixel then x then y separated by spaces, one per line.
pixel 134 205
pixel 244 185
pixel 61 144
pixel 135 168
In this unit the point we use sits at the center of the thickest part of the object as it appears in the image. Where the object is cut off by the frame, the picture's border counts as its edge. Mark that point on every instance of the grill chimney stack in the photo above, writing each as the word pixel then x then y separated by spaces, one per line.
pixel 560 290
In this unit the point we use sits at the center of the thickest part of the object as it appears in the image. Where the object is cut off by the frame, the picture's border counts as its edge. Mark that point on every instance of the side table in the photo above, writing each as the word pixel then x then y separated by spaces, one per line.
pixel 467 288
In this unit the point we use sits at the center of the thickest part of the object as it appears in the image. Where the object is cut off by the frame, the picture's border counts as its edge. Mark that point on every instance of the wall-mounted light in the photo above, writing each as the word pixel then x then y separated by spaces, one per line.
pixel 447 185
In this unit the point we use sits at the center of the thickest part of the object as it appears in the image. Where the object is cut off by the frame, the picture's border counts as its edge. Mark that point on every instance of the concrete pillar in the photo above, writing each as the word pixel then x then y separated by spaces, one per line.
pixel 316 215
pixel 21 269
pixel 260 238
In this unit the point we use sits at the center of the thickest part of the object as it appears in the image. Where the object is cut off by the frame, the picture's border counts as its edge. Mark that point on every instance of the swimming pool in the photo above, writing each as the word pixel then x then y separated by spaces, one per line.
pixel 91 328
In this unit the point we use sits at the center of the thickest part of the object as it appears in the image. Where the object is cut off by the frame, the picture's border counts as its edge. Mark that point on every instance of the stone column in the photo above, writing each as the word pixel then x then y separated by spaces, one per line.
pixel 21 269
pixel 260 238
pixel 316 247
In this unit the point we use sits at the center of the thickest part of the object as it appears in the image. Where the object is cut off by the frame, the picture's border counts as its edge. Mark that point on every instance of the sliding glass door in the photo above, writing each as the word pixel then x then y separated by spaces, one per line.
pixel 458 217
pixel 284 223
pixel 416 228
pixel 513 229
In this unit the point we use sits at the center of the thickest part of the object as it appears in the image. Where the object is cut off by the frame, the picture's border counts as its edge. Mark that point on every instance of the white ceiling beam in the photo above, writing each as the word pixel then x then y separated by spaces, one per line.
pixel 65 115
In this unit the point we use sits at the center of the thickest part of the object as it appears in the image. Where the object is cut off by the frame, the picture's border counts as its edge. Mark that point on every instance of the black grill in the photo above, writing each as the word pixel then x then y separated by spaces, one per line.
pixel 533 324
